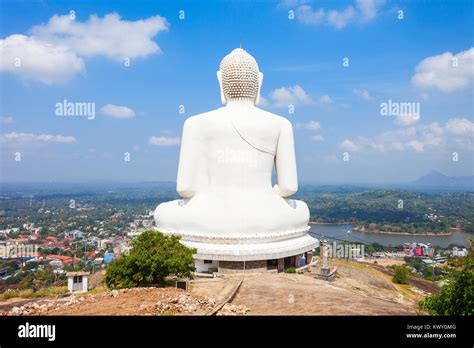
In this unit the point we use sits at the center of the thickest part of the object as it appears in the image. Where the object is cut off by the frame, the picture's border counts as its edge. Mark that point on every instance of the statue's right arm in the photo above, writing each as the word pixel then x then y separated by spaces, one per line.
pixel 188 161
pixel 285 162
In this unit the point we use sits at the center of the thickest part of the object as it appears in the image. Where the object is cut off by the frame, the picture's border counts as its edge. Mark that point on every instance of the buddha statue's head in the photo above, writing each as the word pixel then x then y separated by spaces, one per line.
pixel 239 77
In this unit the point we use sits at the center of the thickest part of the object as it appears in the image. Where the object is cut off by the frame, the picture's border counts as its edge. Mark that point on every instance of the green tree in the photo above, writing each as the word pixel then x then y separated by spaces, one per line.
pixel 38 279
pixel 456 298
pixel 152 258
pixel 401 274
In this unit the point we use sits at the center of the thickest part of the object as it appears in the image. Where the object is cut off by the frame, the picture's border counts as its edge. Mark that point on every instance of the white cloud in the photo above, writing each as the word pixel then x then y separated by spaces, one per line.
pixel 419 138
pixel 29 137
pixel 362 11
pixel 369 8
pixel 284 96
pixel 406 120
pixel 460 126
pixel 307 15
pixel 311 125
pixel 433 128
pixel 317 138
pixel 164 141
pixel 32 59
pixel 340 19
pixel 263 102
pixel 7 120
pixel 362 94
pixel 109 36
pixel 325 99
pixel 290 3
pixel 54 52
pixel 416 145
pixel 349 145
pixel 446 72
pixel 117 111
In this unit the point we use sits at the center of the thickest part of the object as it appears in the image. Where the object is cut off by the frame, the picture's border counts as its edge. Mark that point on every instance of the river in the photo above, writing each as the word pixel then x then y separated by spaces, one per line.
pixel 340 231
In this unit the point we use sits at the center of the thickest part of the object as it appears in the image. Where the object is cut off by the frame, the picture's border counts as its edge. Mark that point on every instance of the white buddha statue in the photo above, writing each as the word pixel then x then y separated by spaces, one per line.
pixel 225 174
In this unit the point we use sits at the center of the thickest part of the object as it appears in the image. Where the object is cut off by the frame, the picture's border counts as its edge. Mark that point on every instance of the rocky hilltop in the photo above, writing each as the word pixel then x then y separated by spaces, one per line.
pixel 359 289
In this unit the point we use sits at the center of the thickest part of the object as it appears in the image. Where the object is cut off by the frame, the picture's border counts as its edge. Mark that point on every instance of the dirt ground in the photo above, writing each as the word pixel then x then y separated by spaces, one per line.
pixel 359 289
pixel 294 294
pixel 137 301
pixel 215 288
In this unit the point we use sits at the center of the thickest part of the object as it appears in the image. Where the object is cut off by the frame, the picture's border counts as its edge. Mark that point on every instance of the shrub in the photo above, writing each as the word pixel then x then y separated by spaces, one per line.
pixel 401 274
pixel 456 298
pixel 18 293
pixel 10 294
pixel 152 258
pixel 290 270
pixel 51 291
pixel 28 293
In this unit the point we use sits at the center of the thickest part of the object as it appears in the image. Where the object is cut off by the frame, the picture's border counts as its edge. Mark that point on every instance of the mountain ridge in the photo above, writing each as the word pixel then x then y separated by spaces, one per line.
pixel 436 178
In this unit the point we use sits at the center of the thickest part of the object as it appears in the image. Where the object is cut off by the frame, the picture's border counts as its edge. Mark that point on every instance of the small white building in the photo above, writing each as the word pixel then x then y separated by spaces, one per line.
pixel 459 252
pixel 206 266
pixel 78 281
pixel 134 234
pixel 74 234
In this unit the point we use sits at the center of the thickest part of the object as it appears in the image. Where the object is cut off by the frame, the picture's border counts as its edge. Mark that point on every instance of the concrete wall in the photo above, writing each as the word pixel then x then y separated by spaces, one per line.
pixel 78 287
pixel 238 266
pixel 251 266
pixel 202 267
pixel 85 283
pixel 70 284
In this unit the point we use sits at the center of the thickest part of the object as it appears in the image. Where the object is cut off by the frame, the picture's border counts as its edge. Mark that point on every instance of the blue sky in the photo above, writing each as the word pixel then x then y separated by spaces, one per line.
pixel 426 57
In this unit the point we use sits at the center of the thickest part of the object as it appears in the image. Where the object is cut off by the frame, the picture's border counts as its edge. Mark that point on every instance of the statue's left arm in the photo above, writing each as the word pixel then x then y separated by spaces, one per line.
pixel 188 161
pixel 285 162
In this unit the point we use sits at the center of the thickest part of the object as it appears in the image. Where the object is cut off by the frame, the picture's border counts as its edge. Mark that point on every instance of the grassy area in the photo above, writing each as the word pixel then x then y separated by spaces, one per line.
pixel 29 293
pixel 351 263
pixel 100 288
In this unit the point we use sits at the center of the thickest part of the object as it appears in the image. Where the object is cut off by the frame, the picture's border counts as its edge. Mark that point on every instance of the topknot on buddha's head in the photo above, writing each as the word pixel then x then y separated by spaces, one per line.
pixel 240 75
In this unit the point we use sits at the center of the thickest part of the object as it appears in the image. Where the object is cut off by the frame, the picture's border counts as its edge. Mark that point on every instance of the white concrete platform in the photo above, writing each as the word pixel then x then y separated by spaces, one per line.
pixel 251 252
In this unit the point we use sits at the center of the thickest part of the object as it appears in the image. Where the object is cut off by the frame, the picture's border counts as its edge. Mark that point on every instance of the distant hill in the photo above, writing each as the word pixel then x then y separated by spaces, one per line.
pixel 437 179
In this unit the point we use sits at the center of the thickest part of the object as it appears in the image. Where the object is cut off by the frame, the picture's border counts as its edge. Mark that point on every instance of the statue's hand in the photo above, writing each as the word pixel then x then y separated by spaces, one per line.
pixel 276 190
pixel 285 193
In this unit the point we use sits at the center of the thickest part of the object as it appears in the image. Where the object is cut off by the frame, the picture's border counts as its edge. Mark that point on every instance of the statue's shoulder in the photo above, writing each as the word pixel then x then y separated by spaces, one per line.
pixel 196 120
pixel 274 118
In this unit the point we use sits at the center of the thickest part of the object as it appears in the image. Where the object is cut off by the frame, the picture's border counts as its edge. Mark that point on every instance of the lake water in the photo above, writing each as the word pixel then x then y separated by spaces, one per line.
pixel 339 231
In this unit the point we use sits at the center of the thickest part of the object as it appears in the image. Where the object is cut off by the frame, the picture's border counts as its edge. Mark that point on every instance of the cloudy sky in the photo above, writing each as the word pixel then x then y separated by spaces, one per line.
pixel 377 91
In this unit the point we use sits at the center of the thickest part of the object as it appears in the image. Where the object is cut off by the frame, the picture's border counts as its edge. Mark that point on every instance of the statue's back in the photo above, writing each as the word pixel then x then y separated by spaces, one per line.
pixel 237 146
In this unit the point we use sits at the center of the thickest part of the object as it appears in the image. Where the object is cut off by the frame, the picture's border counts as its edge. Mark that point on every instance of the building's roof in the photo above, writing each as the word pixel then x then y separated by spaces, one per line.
pixel 65 259
pixel 71 260
pixel 73 274
pixel 51 245
pixel 59 257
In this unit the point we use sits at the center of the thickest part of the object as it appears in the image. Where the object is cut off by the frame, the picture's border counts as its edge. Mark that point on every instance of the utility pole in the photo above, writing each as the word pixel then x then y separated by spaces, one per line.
pixel 345 247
